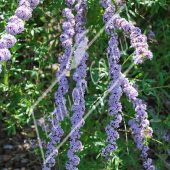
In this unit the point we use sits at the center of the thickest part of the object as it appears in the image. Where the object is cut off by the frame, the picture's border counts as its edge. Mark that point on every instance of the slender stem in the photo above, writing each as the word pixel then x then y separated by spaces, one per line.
pixel 155 88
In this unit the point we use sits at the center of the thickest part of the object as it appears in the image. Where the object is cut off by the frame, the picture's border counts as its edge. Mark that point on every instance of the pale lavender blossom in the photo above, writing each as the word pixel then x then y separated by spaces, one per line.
pixel 150 34
pixel 24 3
pixel 14 25
pixel 147 163
pixel 138 41
pixel 5 54
pixel 33 3
pixel 24 13
pixel 70 3
pixel 105 3
pixel 2 58
pixel 2 43
pixel 12 28
pixel 140 126
pixel 7 41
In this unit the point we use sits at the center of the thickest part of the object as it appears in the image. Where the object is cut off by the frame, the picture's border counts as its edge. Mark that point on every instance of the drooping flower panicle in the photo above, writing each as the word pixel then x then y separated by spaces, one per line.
pixel 61 111
pixel 140 125
pixel 114 87
pixel 78 107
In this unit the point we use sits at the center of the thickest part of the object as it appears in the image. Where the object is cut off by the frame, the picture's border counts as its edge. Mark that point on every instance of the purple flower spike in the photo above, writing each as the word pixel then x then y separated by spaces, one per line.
pixel 140 126
pixel 78 107
pixel 114 87
pixel 60 111
pixel 138 41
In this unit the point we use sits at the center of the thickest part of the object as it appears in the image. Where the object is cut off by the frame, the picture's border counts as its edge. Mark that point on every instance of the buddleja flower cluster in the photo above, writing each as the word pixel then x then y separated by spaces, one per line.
pixel 15 26
pixel 140 126
pixel 138 41
pixel 78 106
pixel 114 87
pixel 61 111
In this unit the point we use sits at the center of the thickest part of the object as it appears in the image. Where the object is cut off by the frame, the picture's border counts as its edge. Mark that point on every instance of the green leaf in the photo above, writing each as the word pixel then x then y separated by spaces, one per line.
pixel 166 93
pixel 156 120
pixel 29 86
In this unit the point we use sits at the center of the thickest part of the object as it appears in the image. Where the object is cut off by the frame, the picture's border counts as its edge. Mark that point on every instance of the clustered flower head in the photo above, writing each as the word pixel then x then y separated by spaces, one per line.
pixel 15 26
pixel 114 86
pixel 119 3
pixel 78 107
pixel 33 3
pixel 7 41
pixel 138 41
pixel 5 54
pixel 24 12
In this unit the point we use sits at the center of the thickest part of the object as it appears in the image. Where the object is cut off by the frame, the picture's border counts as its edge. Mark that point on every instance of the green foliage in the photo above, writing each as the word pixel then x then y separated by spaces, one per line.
pixel 33 67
